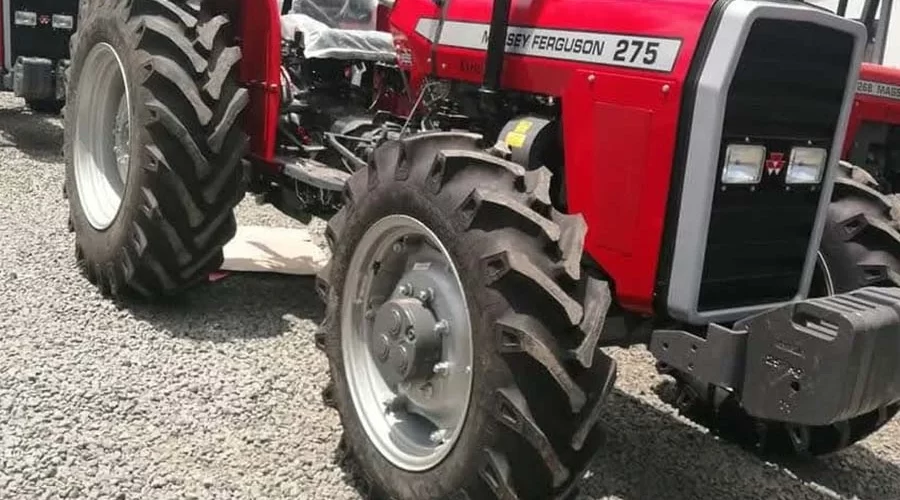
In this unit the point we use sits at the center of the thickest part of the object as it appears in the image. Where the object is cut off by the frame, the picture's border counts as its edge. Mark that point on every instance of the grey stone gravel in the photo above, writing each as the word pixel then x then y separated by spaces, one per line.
pixel 219 395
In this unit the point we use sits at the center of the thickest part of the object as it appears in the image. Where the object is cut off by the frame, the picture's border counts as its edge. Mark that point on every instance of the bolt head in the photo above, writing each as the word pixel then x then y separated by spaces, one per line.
pixel 592 78
pixel 406 290
pixel 425 295
pixel 442 327
pixel 411 334
pixel 442 368
pixel 438 436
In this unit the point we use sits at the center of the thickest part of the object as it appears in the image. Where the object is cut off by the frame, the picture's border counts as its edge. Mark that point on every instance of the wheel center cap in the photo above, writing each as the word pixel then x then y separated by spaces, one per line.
pixel 407 342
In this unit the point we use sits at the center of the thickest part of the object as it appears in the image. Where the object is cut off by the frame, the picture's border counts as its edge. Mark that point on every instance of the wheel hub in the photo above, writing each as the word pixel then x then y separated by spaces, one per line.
pixel 407 344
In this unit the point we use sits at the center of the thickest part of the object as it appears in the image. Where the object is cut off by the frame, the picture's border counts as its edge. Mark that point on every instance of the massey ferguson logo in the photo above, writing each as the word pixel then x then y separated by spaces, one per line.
pixel 775 163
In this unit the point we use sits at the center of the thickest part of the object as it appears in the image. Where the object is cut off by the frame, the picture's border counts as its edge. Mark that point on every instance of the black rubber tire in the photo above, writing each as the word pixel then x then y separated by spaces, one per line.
pixel 48 106
pixel 860 247
pixel 527 434
pixel 861 242
pixel 186 173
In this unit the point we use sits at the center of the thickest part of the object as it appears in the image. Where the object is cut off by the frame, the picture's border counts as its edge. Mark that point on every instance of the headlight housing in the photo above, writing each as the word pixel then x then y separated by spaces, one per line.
pixel 743 164
pixel 60 21
pixel 806 166
pixel 25 18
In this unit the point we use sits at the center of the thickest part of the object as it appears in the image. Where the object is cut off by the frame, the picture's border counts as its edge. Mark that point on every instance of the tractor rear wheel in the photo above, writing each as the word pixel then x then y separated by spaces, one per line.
pixel 154 144
pixel 452 309
pixel 860 247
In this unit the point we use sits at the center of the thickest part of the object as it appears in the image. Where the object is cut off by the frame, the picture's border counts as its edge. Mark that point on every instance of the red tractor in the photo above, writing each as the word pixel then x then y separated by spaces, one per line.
pixel 873 136
pixel 510 187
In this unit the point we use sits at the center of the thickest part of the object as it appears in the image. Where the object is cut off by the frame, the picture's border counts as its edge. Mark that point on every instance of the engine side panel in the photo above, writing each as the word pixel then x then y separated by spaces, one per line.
pixel 619 71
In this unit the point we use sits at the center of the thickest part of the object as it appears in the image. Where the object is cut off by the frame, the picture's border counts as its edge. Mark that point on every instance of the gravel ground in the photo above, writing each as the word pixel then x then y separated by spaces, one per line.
pixel 219 396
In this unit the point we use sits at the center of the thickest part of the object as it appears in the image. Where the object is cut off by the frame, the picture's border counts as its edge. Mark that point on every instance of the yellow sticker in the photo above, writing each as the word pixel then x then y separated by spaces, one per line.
pixel 523 126
pixel 515 139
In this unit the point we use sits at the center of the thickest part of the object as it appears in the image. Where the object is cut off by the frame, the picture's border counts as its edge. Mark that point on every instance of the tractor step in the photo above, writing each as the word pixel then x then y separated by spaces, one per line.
pixel 317 174
pixel 813 362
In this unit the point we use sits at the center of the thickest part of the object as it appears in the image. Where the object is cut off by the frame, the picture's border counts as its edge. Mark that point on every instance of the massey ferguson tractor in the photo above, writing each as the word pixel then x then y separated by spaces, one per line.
pixel 873 135
pixel 34 50
pixel 511 187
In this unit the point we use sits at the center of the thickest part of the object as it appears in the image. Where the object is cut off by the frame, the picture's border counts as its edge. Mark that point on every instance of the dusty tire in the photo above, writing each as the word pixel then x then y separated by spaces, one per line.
pixel 48 106
pixel 861 243
pixel 860 247
pixel 526 433
pixel 183 168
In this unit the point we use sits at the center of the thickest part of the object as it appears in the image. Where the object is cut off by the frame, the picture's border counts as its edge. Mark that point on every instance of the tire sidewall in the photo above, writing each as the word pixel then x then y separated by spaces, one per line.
pixel 106 25
pixel 461 466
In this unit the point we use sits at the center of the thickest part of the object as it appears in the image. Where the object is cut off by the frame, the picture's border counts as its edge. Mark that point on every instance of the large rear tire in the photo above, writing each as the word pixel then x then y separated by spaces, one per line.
pixel 526 428
pixel 860 247
pixel 154 144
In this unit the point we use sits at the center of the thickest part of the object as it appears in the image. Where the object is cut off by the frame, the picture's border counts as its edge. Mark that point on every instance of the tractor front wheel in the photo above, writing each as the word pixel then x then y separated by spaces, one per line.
pixel 452 306
pixel 154 144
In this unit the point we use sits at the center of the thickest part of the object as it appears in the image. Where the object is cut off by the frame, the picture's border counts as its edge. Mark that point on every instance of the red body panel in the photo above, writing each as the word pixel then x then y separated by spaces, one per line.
pixel 619 123
pixel 870 108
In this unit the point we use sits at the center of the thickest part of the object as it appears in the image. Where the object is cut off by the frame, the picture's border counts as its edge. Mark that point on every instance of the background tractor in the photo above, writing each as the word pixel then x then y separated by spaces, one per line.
pixel 510 188
pixel 34 50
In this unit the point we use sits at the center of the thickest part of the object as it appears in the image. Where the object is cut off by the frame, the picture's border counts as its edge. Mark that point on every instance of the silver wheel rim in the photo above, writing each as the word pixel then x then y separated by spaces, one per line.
pixel 102 136
pixel 402 276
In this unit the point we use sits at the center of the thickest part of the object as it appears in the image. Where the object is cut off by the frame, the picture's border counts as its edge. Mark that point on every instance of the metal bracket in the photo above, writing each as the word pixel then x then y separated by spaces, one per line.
pixel 718 359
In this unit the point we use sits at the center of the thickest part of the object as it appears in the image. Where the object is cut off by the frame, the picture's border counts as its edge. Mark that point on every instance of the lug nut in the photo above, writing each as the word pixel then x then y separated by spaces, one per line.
pixel 395 403
pixel 406 290
pixel 425 295
pixel 442 368
pixel 411 334
pixel 442 327
pixel 438 436
pixel 398 246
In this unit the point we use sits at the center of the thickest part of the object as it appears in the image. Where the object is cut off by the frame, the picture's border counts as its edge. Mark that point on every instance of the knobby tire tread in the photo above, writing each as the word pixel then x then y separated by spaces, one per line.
pixel 519 248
